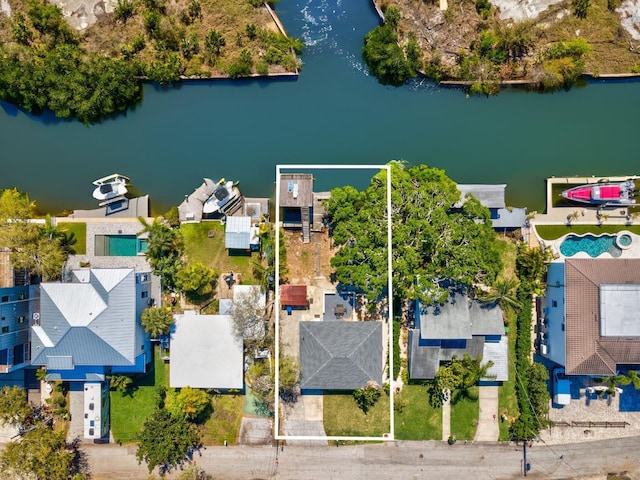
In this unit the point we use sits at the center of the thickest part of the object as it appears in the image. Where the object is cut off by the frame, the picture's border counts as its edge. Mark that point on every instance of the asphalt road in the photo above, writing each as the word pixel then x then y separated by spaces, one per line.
pixel 393 460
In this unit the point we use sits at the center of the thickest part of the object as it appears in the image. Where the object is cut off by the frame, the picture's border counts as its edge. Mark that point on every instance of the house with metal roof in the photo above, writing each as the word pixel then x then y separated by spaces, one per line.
pixel 340 355
pixel 591 315
pixel 456 328
pixel 205 352
pixel 293 296
pixel 90 326
pixel 240 234
pixel 493 197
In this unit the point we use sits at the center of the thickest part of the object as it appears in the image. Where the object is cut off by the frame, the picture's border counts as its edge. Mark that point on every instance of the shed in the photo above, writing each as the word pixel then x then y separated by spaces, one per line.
pixel 238 233
pixel 293 296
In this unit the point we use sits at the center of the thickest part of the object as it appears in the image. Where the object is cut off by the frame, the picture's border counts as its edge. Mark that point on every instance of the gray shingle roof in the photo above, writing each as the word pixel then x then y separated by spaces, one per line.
pixel 491 196
pixel 92 320
pixel 498 353
pixel 510 218
pixel 448 321
pixel 340 355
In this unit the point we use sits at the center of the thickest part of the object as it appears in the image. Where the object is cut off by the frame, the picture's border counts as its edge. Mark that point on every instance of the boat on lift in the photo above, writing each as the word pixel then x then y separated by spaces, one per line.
pixel 224 199
pixel 110 187
pixel 603 193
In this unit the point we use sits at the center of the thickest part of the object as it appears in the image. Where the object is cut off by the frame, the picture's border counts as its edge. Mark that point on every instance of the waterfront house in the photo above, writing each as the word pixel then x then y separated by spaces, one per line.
pixel 590 315
pixel 340 355
pixel 205 352
pixel 296 201
pixel 458 327
pixel 18 309
pixel 89 327
pixel 493 197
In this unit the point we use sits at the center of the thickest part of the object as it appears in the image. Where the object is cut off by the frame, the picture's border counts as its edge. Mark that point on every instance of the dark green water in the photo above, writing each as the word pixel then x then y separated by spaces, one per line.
pixel 334 113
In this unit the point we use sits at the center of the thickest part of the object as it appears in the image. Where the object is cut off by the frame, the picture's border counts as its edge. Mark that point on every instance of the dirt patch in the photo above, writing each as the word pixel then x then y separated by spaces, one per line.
pixel 308 260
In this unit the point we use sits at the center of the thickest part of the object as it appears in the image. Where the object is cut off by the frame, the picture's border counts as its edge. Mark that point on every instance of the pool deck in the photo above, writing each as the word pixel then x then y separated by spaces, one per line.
pixel 578 214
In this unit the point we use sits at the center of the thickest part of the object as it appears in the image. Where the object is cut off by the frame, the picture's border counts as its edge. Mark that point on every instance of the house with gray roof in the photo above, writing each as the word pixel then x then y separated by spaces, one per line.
pixel 340 355
pixel 493 197
pixel 90 326
pixel 456 328
pixel 591 315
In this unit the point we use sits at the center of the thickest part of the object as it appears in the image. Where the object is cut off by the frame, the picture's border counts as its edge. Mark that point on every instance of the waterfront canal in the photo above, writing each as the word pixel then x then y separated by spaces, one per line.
pixel 334 113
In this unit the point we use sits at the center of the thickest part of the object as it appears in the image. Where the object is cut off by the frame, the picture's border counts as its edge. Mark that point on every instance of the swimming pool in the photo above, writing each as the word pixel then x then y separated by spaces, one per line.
pixel 119 245
pixel 592 245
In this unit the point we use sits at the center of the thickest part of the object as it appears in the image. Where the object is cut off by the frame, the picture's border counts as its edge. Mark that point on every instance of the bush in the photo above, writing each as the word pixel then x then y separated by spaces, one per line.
pixel 367 397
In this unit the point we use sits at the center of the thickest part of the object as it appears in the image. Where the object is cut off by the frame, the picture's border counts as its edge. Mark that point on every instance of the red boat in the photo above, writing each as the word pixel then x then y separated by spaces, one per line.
pixel 603 193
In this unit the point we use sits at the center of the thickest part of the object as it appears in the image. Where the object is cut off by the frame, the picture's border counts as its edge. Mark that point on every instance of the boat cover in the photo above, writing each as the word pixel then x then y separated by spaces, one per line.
pixel 606 192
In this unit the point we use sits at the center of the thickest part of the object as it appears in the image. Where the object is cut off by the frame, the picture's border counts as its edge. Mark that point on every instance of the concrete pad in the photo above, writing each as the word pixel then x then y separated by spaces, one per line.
pixel 255 431
pixel 76 409
pixel 304 428
pixel 488 428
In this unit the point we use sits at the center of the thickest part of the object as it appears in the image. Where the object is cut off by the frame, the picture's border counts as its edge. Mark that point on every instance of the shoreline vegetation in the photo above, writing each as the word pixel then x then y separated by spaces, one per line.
pixel 466 43
pixel 98 72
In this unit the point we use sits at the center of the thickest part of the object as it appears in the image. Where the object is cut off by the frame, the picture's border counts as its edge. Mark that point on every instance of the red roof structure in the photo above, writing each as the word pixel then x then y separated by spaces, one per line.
pixel 293 296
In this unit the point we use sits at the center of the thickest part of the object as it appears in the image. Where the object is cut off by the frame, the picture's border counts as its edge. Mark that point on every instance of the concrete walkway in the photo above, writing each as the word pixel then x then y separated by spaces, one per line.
pixel 488 428
pixel 446 418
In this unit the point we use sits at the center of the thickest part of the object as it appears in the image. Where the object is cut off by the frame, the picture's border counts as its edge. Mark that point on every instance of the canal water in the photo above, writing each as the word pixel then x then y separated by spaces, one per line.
pixel 335 113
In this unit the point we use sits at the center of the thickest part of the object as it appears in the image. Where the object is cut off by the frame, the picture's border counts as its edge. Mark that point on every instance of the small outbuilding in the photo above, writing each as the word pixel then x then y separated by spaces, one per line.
pixel 293 296
pixel 240 234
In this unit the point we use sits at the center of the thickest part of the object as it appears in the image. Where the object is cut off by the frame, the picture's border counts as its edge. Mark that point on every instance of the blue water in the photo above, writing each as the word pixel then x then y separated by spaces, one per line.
pixel 590 244
pixel 334 113
pixel 630 399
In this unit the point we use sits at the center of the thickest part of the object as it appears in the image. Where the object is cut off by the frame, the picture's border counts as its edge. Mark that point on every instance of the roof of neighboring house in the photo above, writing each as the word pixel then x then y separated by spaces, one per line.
pixel 296 190
pixel 510 218
pixel 190 210
pixel 498 353
pixel 340 355
pixel 205 353
pixel 238 233
pixel 293 295
pixel 89 321
pixel 459 318
pixel 597 291
pixel 491 196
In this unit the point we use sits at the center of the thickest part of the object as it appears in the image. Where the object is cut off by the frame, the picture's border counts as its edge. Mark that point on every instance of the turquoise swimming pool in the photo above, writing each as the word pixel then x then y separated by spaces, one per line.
pixel 120 245
pixel 592 245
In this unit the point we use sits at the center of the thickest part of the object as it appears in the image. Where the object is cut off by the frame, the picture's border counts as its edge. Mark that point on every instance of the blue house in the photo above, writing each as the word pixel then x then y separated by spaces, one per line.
pixel 17 307
pixel 90 326
pixel 458 327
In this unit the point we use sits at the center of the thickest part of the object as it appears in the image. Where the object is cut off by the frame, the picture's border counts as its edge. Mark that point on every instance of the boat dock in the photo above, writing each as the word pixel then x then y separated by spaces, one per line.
pixel 117 208
pixel 566 213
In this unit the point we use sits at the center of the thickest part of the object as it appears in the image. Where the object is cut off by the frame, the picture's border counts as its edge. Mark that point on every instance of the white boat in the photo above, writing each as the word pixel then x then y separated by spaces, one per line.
pixel 110 187
pixel 224 198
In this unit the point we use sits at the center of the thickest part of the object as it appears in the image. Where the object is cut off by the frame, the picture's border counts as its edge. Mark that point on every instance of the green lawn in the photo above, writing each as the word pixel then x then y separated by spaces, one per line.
pixel 129 412
pixel 199 247
pixel 418 420
pixel 507 399
pixel 79 230
pixel 224 424
pixel 553 232
pixel 343 417
pixel 464 414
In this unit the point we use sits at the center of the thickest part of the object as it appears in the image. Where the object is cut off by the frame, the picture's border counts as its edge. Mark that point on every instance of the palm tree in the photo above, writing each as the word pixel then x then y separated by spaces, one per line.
pixel 614 381
pixel 503 294
pixel 157 321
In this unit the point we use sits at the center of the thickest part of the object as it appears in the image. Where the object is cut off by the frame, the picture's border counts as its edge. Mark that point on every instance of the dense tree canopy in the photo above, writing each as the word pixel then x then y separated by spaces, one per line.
pixel 432 241
pixel 164 251
pixel 14 408
pixel 191 403
pixel 39 249
pixel 196 278
pixel 166 441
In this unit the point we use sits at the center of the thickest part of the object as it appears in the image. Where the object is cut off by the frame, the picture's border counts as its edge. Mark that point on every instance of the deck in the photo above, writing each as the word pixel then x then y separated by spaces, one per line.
pixel 137 207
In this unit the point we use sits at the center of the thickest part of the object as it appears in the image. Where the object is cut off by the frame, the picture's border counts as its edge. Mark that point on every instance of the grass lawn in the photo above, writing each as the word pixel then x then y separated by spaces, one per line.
pixel 342 416
pixel 507 399
pixel 224 424
pixel 79 230
pixel 553 232
pixel 418 420
pixel 128 413
pixel 464 414
pixel 199 247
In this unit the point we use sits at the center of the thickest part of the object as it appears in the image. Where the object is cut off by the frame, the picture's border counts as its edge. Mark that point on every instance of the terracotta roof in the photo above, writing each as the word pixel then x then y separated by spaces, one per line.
pixel 587 351
pixel 293 295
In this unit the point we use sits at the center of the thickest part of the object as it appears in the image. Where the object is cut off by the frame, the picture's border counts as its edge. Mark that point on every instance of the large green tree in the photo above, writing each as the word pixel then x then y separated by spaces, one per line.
pixel 196 279
pixel 193 404
pixel 41 453
pixel 166 441
pixel 14 408
pixel 432 241
pixel 164 250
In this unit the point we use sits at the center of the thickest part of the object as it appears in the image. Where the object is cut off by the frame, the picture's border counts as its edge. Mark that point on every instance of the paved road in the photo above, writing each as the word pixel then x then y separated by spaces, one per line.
pixel 400 460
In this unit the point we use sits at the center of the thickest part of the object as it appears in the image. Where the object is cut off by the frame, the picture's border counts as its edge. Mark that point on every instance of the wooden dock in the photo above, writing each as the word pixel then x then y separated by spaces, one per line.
pixel 190 210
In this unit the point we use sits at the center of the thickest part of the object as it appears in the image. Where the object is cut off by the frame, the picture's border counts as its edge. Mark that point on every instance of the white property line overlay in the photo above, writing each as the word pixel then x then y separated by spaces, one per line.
pixel 391 435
